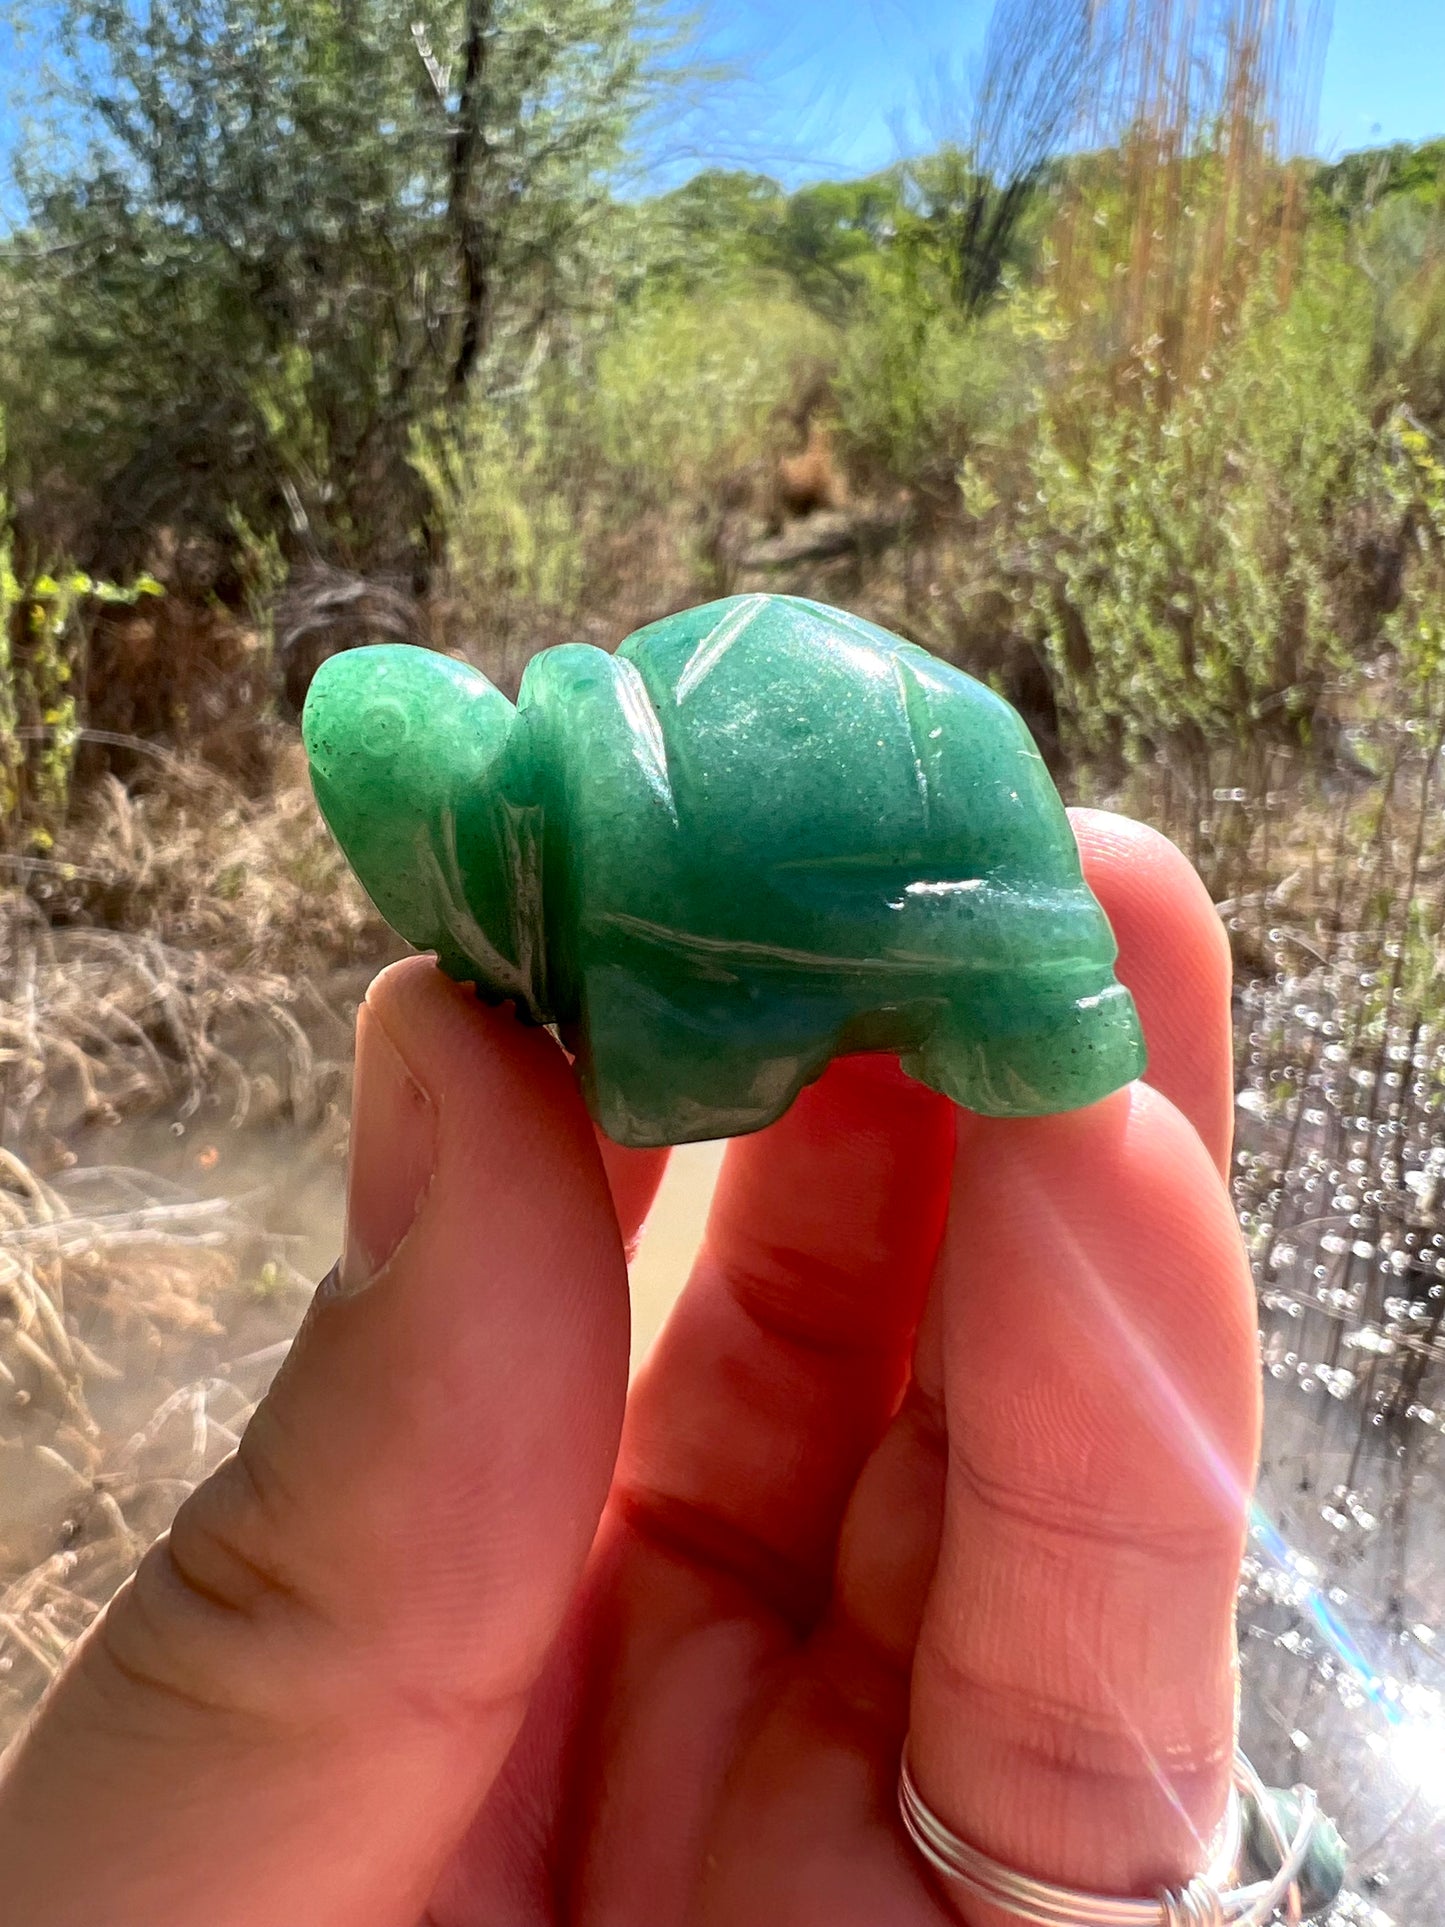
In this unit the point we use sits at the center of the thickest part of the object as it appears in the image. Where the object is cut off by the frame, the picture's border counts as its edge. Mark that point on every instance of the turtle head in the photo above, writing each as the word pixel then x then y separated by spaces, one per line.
pixel 406 753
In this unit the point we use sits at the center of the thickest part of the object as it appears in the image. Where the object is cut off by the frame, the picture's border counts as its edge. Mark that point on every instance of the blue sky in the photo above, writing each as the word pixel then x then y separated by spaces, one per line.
pixel 846 84
pixel 829 86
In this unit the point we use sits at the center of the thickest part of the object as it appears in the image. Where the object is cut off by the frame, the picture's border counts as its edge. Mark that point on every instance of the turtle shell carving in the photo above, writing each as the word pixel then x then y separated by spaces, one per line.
pixel 762 834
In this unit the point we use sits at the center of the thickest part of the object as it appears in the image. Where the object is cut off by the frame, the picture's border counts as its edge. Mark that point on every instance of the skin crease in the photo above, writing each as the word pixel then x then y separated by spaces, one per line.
pixel 952 1429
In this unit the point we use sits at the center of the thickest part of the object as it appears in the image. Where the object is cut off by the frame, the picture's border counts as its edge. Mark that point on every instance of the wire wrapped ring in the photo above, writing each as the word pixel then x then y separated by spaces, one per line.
pixel 1209 1900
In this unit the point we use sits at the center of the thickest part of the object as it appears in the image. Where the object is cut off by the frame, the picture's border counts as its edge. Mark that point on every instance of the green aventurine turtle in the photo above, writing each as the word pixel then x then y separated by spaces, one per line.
pixel 762 834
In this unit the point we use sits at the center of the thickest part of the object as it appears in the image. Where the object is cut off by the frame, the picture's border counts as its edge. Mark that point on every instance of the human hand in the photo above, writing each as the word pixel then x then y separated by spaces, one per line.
pixel 952 1429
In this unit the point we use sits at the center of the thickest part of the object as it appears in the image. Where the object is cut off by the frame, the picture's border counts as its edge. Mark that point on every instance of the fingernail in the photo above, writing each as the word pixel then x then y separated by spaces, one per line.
pixel 393 1152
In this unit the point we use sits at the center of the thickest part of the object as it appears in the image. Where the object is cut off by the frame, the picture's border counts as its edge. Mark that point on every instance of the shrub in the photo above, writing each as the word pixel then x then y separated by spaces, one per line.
pixel 691 390
pixel 512 533
pixel 1189 571
pixel 919 383
pixel 43 634
pixel 632 441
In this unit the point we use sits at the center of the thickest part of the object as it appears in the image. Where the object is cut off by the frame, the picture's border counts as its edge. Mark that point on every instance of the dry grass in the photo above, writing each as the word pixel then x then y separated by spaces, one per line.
pixel 170 951
pixel 113 1292
pixel 1199 108
pixel 192 953
pixel 183 853
pixel 100 1024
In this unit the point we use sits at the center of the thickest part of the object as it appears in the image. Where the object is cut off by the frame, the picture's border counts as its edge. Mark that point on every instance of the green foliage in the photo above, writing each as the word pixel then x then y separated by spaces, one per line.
pixel 262 569
pixel 356 282
pixel 830 238
pixel 1196 560
pixel 688 390
pixel 1375 176
pixel 969 230
pixel 1417 627
pixel 296 229
pixel 1187 574
pixel 677 402
pixel 919 383
pixel 42 649
pixel 822 243
pixel 938 217
pixel 716 228
pixel 514 539
pixel 1399 243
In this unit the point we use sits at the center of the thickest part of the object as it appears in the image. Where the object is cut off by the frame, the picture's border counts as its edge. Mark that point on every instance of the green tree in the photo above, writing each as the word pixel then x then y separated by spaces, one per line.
pixel 297 228
pixel 726 225
pixel 832 234
pixel 719 226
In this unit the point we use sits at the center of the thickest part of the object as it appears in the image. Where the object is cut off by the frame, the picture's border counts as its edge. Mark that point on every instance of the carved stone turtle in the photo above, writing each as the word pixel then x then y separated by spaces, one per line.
pixel 762 834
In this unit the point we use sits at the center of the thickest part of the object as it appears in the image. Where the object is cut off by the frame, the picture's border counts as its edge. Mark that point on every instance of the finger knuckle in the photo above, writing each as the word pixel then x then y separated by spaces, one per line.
pixel 1075 1515
pixel 1060 1733
pixel 216 1616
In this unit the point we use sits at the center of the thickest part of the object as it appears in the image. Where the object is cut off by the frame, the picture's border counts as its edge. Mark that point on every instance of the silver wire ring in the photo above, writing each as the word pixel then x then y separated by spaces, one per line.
pixel 1209 1900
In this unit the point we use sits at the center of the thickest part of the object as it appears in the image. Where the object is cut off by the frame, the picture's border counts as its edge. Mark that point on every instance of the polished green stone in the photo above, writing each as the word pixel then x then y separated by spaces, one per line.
pixel 761 834
pixel 1326 1861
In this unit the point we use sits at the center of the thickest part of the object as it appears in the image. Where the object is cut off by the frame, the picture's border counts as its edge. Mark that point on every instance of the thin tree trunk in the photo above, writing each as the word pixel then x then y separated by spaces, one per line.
pixel 470 153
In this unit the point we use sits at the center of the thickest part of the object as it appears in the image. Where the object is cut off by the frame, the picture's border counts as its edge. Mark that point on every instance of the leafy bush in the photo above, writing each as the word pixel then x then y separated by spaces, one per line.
pixel 687 391
pixel 1417 627
pixel 42 648
pixel 266 241
pixel 677 405
pixel 512 533
pixel 1191 572
pixel 919 382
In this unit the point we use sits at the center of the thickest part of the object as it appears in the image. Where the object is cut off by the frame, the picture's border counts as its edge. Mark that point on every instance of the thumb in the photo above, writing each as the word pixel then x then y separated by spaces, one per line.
pixel 294 1708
